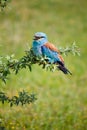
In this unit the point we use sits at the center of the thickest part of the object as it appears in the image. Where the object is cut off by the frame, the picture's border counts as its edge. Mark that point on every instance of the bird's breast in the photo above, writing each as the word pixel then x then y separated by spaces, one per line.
pixel 37 50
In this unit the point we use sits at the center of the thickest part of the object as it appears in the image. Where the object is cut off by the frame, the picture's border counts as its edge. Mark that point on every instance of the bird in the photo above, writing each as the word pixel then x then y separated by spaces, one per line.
pixel 42 47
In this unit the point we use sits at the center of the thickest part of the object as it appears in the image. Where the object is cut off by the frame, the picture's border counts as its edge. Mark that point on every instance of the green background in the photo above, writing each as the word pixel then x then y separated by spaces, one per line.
pixel 62 99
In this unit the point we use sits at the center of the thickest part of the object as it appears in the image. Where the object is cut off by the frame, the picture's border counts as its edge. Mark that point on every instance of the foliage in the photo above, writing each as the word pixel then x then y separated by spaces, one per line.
pixel 3 3
pixel 10 63
pixel 22 98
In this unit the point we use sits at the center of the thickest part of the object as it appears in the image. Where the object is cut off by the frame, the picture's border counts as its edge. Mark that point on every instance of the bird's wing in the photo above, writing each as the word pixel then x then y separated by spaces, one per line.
pixel 51 47
pixel 51 51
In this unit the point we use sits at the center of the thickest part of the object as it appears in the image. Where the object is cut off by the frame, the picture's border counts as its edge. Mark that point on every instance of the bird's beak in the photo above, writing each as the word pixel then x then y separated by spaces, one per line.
pixel 35 38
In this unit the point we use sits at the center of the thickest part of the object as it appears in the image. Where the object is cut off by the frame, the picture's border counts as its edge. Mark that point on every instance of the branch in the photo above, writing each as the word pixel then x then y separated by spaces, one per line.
pixel 9 63
pixel 70 49
pixel 22 98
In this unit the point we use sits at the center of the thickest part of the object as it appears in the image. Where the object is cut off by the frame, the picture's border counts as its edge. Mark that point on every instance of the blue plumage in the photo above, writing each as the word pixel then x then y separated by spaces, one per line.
pixel 41 47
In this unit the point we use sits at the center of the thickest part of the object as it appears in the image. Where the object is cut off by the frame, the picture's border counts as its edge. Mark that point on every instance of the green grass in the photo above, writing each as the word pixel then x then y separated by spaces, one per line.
pixel 62 100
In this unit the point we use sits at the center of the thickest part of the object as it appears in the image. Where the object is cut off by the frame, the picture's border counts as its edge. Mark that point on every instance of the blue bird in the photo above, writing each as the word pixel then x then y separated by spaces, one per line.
pixel 42 47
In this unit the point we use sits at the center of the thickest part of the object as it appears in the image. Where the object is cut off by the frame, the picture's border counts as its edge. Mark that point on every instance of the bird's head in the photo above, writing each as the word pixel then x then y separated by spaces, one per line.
pixel 39 35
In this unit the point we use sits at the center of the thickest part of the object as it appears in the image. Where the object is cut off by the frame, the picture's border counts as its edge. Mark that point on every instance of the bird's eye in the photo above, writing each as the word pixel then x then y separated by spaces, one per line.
pixel 41 37
pixel 36 38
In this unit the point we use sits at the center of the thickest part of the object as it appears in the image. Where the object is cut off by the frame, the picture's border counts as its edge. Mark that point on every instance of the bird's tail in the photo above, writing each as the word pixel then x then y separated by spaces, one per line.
pixel 64 69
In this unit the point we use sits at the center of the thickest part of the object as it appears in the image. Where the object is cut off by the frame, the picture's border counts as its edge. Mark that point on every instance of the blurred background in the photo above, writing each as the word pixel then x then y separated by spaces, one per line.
pixel 62 99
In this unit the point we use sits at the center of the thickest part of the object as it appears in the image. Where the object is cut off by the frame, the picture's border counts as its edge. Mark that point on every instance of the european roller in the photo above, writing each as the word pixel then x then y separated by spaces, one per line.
pixel 42 47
